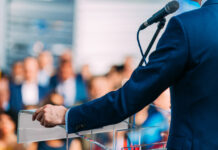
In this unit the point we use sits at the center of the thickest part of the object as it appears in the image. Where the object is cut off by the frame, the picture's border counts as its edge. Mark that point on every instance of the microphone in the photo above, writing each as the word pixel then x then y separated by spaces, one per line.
pixel 170 8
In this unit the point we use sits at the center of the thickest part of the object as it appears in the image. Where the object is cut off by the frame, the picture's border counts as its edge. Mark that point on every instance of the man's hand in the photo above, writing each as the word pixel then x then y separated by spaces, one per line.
pixel 50 116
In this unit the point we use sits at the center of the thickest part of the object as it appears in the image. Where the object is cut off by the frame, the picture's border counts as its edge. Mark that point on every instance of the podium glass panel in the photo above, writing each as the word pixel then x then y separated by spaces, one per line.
pixel 129 139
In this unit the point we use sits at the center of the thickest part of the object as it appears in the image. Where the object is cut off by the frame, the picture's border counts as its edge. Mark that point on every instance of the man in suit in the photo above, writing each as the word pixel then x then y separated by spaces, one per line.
pixel 185 60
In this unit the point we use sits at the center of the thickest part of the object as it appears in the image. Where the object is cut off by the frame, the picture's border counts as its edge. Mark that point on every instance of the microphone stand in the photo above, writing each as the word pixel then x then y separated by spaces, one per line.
pixel 159 28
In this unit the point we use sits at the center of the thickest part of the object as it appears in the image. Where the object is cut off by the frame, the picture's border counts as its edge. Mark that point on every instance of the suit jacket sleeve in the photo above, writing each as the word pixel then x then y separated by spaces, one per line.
pixel 166 65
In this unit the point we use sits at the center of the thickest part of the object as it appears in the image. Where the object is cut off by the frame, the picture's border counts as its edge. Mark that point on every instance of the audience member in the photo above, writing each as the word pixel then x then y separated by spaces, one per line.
pixel 98 86
pixel 46 68
pixel 115 76
pixel 152 123
pixel 67 56
pixel 155 121
pixel 8 139
pixel 86 73
pixel 17 75
pixel 71 86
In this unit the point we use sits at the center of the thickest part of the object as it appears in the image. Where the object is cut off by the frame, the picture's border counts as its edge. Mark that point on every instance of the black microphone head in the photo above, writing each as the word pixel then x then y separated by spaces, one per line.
pixel 172 7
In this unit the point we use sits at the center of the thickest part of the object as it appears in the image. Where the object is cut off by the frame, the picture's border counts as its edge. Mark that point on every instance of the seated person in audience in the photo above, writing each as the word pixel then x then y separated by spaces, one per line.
pixel 155 119
pixel 29 92
pixel 17 73
pixel 115 76
pixel 98 86
pixel 71 86
pixel 86 73
pixel 8 139
pixel 46 69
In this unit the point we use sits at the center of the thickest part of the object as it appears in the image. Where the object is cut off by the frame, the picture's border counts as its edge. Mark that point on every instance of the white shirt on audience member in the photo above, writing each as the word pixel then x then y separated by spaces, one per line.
pixel 30 93
pixel 68 90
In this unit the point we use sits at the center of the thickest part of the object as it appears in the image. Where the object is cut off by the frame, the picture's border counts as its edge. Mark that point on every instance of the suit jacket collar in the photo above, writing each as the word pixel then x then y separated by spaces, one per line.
pixel 210 2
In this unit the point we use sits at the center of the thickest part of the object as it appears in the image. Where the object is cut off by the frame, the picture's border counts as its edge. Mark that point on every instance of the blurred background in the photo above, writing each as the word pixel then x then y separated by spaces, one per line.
pixel 68 52
pixel 94 30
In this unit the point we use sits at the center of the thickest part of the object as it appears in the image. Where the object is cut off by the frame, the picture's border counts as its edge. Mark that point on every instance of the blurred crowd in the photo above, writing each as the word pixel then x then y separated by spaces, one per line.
pixel 34 82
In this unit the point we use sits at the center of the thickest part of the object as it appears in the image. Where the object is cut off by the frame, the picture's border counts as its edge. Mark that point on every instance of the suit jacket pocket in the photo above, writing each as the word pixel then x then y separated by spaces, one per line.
pixel 179 143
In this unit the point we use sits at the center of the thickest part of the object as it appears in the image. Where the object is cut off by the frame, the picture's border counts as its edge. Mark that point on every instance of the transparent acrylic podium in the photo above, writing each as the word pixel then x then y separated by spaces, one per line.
pixel 122 136
pixel 127 139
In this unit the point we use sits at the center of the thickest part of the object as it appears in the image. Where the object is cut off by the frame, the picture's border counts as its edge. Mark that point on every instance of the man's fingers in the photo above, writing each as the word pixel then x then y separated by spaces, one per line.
pixel 34 116
pixel 36 113
pixel 40 116
pixel 42 122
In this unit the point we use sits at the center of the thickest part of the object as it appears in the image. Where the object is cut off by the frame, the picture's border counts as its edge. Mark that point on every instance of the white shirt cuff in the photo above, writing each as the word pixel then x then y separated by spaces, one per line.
pixel 66 120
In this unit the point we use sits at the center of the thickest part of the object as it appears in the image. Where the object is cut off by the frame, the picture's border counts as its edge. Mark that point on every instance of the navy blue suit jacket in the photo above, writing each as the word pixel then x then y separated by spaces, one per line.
pixel 186 59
